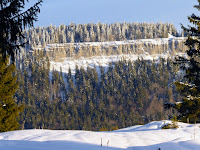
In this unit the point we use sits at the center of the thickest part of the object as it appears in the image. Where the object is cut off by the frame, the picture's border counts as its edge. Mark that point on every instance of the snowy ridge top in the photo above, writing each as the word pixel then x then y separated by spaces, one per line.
pixel 143 137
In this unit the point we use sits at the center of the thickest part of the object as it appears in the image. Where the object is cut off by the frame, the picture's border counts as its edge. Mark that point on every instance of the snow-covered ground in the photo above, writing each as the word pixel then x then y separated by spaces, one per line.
pixel 141 137
pixel 103 61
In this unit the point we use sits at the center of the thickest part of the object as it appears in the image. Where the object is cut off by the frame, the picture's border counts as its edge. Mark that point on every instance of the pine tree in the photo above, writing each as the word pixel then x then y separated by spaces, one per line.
pixel 12 22
pixel 189 107
pixel 9 111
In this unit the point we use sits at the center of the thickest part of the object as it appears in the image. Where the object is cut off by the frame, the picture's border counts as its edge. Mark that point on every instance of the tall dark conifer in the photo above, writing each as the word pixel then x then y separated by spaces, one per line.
pixel 13 20
pixel 189 107
pixel 9 111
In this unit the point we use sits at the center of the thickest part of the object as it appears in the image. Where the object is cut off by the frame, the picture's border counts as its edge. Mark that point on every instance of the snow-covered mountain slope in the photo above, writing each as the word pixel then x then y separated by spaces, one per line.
pixel 142 137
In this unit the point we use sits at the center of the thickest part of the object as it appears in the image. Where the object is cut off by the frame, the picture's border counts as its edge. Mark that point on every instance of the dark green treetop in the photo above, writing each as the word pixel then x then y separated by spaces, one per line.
pixel 13 20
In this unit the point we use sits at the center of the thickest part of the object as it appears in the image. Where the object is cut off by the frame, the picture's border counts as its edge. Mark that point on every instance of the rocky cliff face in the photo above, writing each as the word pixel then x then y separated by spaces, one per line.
pixel 57 52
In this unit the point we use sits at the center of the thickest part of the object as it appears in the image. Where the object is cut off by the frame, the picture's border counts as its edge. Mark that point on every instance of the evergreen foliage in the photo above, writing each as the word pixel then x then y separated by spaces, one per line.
pixel 189 107
pixel 124 94
pixel 9 110
pixel 13 21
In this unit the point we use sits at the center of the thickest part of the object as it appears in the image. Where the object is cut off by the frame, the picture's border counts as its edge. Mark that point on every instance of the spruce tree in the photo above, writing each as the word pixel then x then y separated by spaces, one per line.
pixel 189 107
pixel 9 111
pixel 13 20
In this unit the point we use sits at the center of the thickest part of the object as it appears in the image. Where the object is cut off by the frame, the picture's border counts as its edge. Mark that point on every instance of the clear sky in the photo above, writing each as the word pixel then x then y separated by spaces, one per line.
pixel 58 12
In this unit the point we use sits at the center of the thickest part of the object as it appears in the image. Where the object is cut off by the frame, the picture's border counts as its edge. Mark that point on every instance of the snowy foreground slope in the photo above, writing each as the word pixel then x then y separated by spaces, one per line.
pixel 145 137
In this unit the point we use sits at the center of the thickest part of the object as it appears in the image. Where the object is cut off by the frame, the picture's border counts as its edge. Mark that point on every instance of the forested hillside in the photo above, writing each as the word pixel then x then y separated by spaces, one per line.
pixel 128 93
pixel 123 94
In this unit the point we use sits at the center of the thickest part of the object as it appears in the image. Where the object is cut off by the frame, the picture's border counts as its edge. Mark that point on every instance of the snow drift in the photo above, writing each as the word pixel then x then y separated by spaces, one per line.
pixel 140 137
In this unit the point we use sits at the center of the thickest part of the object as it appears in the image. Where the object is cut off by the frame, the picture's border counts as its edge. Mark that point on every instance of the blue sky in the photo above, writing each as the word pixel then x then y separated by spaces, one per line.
pixel 58 12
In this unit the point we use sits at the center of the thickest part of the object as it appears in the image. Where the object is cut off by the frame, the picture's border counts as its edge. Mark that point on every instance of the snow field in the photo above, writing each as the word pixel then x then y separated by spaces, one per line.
pixel 143 137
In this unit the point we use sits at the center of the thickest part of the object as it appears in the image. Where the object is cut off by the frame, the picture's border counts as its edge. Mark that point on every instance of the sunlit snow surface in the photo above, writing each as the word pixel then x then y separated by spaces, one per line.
pixel 145 137
pixel 103 61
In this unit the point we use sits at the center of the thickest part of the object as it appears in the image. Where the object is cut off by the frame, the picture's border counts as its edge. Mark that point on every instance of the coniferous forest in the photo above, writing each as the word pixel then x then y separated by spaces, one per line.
pixel 129 79
pixel 99 32
pixel 124 94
